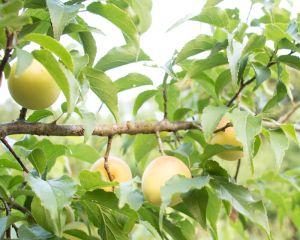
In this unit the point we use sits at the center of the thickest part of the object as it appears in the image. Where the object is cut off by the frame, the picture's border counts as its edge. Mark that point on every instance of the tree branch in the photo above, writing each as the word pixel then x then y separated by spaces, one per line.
pixel 6 144
pixel 237 170
pixel 105 130
pixel 287 116
pixel 165 96
pixel 160 144
pixel 106 156
pixel 7 51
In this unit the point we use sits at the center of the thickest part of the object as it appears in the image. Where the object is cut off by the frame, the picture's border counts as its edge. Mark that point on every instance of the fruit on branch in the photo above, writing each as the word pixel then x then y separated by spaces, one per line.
pixel 35 88
pixel 157 173
pixel 227 137
pixel 118 168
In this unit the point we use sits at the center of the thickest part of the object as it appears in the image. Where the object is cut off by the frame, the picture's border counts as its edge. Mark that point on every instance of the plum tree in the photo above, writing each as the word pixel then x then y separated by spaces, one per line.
pixel 35 88
pixel 118 168
pixel 227 137
pixel 157 173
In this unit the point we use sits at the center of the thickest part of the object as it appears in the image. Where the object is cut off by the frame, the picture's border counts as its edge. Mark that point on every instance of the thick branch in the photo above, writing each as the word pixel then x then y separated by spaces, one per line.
pixel 7 51
pixel 287 116
pixel 105 130
pixel 6 144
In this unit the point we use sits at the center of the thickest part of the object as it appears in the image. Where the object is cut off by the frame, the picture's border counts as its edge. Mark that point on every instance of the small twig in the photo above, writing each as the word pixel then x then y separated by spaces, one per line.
pixel 106 165
pixel 8 211
pixel 7 52
pixel 22 115
pixel 244 84
pixel 6 144
pixel 237 170
pixel 16 229
pixel 160 144
pixel 222 129
pixel 20 208
pixel 287 116
pixel 165 96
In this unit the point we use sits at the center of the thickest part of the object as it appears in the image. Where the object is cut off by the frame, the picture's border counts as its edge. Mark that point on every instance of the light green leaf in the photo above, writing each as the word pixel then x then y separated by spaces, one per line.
pixel 33 233
pixel 84 152
pixel 143 144
pixel 104 88
pixel 213 16
pixel 63 77
pixel 93 180
pixel 89 124
pixel 279 95
pixel 130 194
pixel 241 199
pixel 132 80
pixel 53 46
pixel 61 15
pixel 120 56
pixel 292 61
pixel 255 42
pixel 223 79
pixel 246 128
pixel 38 160
pixel 199 44
pixel 262 73
pixel 204 64
pixel 275 32
pixel 142 98
pixel 142 9
pixel 53 194
pixel 212 212
pixel 118 17
pixel 279 144
pixel 14 21
pixel 24 59
pixel 210 119
pixel 290 131
pixel 39 115
pixel 13 6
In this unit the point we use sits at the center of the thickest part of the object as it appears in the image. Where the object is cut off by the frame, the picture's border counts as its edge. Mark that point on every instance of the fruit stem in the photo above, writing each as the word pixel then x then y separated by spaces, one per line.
pixel 106 155
pixel 22 115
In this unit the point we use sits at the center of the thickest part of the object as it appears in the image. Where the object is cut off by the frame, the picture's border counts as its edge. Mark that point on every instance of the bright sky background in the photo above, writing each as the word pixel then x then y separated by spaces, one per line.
pixel 156 42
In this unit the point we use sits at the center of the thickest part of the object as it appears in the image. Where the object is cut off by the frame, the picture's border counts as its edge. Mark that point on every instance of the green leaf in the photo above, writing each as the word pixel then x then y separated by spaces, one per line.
pixel 53 46
pixel 14 21
pixel 104 88
pixel 197 67
pixel 142 98
pixel 255 42
pixel 223 79
pixel 262 73
pixel 132 80
pixel 118 17
pixel 275 32
pixel 63 77
pixel 280 94
pixel 12 6
pixel 241 199
pixel 53 194
pixel 234 54
pixel 92 180
pixel 39 115
pixel 207 83
pixel 279 144
pixel 212 212
pixel 3 223
pixel 180 113
pixel 88 42
pixel 213 16
pixel 120 56
pixel 142 9
pixel 89 124
pixel 143 144
pixel 246 128
pixel 130 194
pixel 212 150
pixel 9 163
pixel 24 59
pixel 84 152
pixel 33 233
pixel 292 61
pixel 38 160
pixel 290 131
pixel 61 15
pixel 178 185
pixel 210 119
pixel 199 44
